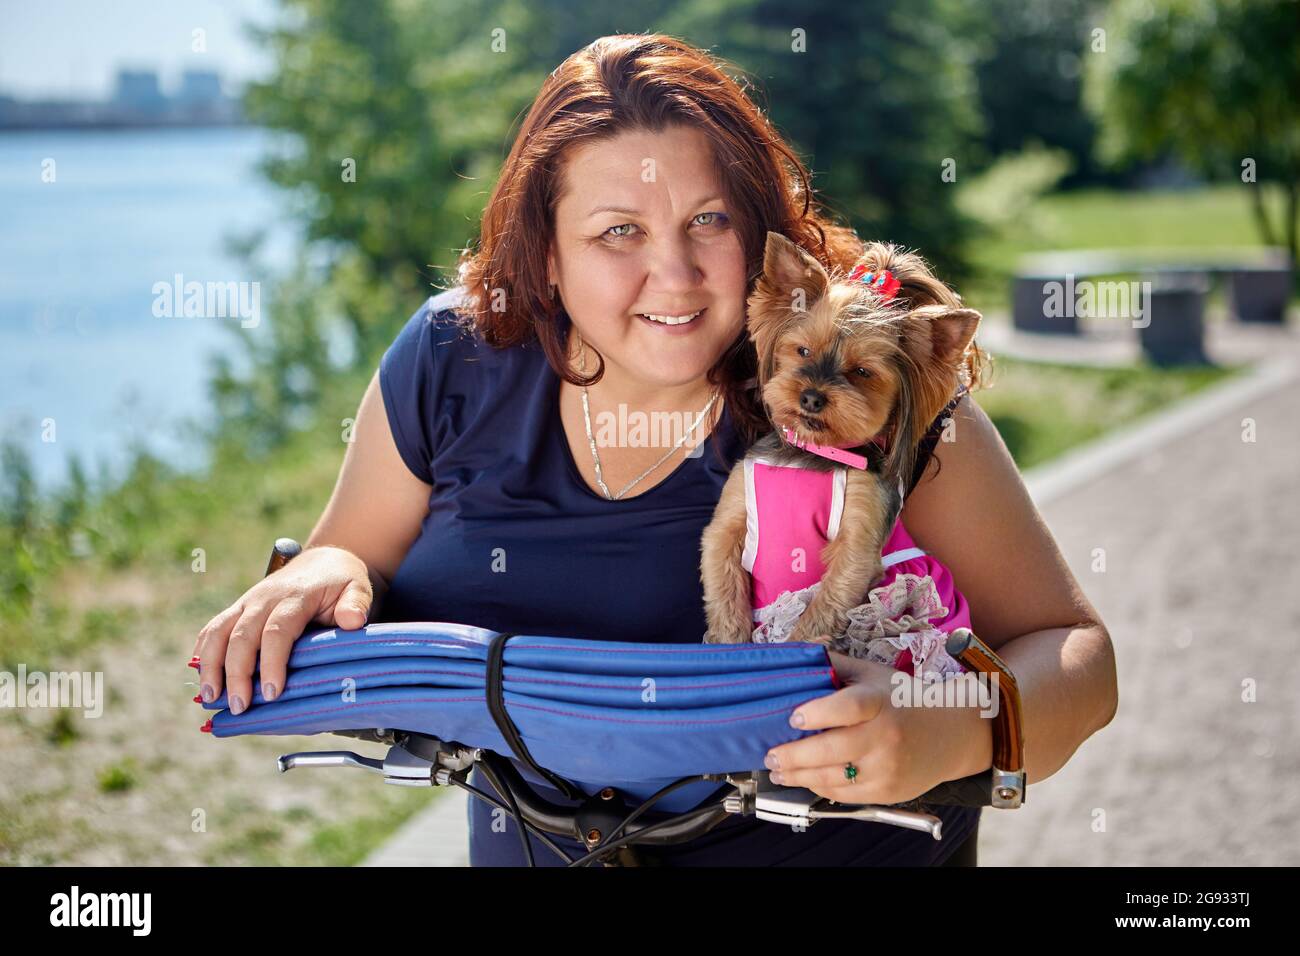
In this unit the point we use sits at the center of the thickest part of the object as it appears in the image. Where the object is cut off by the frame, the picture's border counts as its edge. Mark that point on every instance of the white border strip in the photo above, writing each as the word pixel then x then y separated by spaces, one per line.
pixel 750 550
pixel 1075 468
pixel 898 557
pixel 839 482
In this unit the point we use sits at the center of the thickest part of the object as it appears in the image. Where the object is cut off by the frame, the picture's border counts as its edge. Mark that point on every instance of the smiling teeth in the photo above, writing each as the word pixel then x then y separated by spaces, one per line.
pixel 671 320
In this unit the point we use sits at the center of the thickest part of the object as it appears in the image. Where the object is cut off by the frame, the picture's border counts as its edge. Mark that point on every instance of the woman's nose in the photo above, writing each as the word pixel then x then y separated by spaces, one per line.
pixel 673 267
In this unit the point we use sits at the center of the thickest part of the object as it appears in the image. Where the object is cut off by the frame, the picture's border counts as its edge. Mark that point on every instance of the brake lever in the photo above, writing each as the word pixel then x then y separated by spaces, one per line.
pixel 329 758
pixel 413 762
pixel 911 819
pixel 797 807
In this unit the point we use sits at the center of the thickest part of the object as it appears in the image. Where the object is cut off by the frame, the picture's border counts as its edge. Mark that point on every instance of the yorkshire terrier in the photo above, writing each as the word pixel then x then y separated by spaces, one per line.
pixel 852 369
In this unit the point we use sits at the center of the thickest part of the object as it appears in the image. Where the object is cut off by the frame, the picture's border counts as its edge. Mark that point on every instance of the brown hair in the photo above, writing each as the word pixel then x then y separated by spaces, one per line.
pixel 613 85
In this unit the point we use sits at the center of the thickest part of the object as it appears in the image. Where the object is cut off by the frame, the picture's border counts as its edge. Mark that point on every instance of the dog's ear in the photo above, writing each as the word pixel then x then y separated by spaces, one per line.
pixel 939 335
pixel 934 340
pixel 791 281
pixel 788 267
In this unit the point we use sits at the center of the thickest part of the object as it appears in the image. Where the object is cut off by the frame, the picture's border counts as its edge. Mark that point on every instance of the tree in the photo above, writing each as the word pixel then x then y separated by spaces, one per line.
pixel 879 98
pixel 1030 75
pixel 1214 82
pixel 397 112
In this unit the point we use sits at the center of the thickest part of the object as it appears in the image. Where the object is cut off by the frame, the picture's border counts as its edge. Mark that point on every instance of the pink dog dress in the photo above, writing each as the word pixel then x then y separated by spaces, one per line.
pixel 791 513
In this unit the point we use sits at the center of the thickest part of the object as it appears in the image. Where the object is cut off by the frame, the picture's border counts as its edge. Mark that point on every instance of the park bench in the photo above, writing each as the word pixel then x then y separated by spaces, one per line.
pixel 1164 302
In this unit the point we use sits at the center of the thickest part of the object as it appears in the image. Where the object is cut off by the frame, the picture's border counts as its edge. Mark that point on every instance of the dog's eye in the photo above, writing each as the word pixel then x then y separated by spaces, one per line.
pixel 804 351
pixel 862 371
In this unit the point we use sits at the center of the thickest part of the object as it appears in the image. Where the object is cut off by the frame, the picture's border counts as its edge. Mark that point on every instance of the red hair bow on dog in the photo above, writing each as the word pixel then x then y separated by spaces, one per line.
pixel 882 283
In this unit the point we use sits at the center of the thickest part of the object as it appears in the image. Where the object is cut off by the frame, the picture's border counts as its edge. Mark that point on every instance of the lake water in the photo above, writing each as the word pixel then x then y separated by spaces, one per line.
pixel 94 226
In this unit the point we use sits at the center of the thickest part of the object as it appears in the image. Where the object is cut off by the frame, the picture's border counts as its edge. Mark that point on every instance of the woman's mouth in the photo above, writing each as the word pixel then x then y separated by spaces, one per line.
pixel 673 324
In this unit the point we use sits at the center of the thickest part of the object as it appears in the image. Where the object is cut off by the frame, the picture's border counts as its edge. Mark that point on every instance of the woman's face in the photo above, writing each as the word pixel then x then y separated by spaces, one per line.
pixel 664 247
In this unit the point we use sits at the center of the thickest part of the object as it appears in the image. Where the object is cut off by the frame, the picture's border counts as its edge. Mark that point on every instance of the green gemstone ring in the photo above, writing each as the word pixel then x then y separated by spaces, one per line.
pixel 850 771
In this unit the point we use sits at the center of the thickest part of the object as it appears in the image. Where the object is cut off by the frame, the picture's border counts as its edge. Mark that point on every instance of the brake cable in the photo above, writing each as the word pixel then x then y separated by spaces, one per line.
pixel 522 823
pixel 628 840
pixel 644 807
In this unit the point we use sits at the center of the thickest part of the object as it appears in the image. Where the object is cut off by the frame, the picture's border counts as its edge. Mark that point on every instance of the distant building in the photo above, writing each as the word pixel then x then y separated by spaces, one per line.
pixel 138 91
pixel 200 86
pixel 137 100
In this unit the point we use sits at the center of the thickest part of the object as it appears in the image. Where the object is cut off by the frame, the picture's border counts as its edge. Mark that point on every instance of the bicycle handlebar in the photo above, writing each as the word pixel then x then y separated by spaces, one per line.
pixel 602 823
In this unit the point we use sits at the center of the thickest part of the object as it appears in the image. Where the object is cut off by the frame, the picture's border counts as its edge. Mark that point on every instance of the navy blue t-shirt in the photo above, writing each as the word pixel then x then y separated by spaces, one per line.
pixel 515 540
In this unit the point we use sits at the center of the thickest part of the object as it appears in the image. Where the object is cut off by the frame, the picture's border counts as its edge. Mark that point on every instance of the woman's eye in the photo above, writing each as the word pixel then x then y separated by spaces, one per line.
pixel 613 233
pixel 804 351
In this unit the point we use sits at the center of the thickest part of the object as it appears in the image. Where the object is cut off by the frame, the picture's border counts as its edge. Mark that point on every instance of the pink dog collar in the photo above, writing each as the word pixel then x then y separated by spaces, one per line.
pixel 830 452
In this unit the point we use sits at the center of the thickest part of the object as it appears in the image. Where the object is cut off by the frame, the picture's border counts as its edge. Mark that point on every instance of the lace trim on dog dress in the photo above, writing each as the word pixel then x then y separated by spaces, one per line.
pixel 897 626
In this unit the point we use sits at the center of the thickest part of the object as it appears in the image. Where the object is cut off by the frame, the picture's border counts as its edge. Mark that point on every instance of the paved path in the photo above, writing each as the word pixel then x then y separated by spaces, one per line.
pixel 1201 592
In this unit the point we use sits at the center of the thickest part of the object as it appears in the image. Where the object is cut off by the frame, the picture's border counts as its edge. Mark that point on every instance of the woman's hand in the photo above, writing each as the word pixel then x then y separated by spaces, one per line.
pixel 900 752
pixel 325 585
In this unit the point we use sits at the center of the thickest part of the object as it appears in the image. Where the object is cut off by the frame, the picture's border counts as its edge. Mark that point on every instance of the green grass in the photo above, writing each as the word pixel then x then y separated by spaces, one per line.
pixel 1210 216
pixel 1043 409
pixel 118 777
pixel 296 836
pixel 1093 219
pixel 349 844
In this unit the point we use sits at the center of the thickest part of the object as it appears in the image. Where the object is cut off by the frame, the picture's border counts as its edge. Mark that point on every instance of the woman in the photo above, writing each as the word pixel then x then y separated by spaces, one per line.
pixel 608 289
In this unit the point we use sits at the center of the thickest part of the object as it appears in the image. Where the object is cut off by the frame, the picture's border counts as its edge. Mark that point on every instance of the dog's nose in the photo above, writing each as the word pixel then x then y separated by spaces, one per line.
pixel 812 401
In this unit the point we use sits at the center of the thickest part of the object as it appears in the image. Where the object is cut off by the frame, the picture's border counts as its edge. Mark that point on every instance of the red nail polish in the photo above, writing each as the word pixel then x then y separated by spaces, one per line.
pixel 207 727
pixel 198 698
pixel 194 662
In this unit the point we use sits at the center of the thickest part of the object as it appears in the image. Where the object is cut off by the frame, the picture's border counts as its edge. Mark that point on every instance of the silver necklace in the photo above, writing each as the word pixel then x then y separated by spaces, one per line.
pixel 595 457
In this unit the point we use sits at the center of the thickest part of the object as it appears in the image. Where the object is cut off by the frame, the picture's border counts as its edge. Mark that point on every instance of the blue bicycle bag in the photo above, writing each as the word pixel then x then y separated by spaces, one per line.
pixel 635 716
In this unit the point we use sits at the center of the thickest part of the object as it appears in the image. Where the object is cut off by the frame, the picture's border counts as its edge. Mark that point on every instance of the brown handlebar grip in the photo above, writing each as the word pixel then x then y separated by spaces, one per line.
pixel 1008 732
pixel 285 550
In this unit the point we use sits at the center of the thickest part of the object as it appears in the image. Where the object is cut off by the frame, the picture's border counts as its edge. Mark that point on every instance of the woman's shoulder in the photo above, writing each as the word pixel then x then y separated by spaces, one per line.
pixel 440 320
pixel 439 373
pixel 925 448
pixel 441 336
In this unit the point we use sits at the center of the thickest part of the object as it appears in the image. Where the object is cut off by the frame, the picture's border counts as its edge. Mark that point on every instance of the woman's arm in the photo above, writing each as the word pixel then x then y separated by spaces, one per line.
pixel 377 506
pixel 976 517
pixel 371 520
